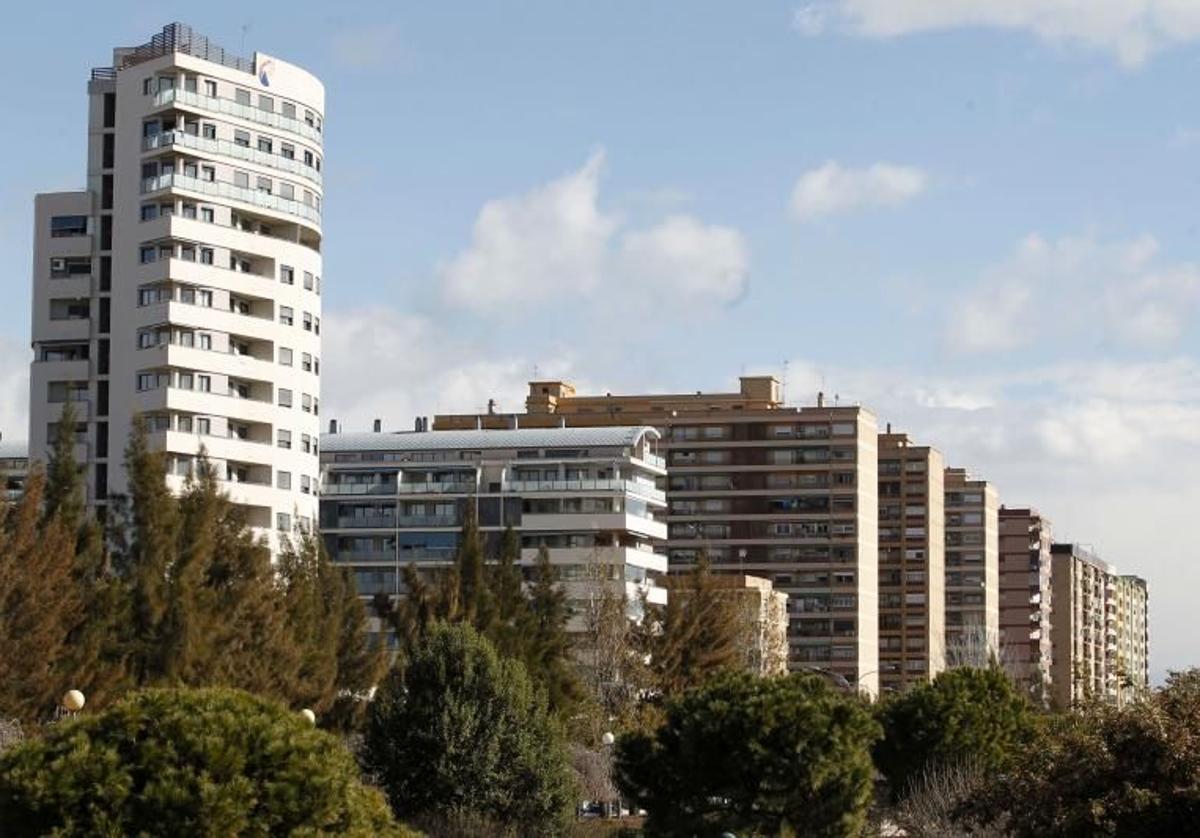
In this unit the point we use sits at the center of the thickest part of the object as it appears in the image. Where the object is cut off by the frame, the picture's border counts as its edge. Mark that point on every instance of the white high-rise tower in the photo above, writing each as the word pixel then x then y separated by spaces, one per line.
pixel 184 282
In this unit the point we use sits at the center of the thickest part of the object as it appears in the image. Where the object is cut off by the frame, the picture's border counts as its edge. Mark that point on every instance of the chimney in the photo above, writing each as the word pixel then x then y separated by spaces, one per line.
pixel 378 426
pixel 491 407
pixel 333 426
pixel 820 399
pixel 417 424
pixel 889 427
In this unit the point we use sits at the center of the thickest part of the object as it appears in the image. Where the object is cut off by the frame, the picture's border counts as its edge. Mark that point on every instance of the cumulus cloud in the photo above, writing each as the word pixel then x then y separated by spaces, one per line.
pixel 1077 287
pixel 555 242
pixel 1129 29
pixel 832 189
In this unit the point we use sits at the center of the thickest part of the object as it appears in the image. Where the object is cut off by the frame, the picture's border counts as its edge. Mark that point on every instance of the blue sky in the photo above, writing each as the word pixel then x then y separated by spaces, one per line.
pixel 977 218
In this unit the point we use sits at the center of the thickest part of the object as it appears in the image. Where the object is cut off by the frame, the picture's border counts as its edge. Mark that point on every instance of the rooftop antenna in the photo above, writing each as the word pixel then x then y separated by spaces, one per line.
pixel 245 29
pixel 535 372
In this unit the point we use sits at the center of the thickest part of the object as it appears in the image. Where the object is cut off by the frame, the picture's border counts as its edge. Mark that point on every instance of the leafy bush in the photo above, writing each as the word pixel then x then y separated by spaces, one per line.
pixel 187 762
pixel 459 731
pixel 774 756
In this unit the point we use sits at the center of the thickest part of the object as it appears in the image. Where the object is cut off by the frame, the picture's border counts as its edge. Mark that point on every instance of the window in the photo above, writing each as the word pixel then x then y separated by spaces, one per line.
pixel 208 131
pixel 204 383
pixel 264 145
pixel 305 361
pixel 206 214
pixel 148 255
pixel 205 341
pixel 189 210
pixel 185 381
pixel 306 443
pixel 242 97
pixel 316 366
pixel 287 276
pixel 241 179
pixel 285 356
pixel 306 403
pixel 308 157
pixel 145 381
pixel 241 138
pixel 283 479
pixel 62 226
pixel 264 184
pixel 285 315
pixel 285 397
pixel 308 281
pixel 288 109
pixel 149 212
pixel 305 484
pixel 287 150
pixel 210 88
pixel 308 322
pixel 284 438
pixel 147 86
pixel 266 103
pixel 204 426
pixel 206 258
pixel 283 521
pixel 208 173
pixel 286 190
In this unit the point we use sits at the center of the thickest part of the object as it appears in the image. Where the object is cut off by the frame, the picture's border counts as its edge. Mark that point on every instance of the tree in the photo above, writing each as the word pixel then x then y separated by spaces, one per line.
pixel 1102 770
pixel 187 762
pixel 508 597
pixel 39 605
pixel 64 496
pixel 697 633
pixel 776 756
pixel 547 650
pixel 458 729
pixel 974 714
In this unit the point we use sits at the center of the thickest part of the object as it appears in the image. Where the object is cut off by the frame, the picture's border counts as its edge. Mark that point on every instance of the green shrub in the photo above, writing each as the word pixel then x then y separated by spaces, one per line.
pixel 187 762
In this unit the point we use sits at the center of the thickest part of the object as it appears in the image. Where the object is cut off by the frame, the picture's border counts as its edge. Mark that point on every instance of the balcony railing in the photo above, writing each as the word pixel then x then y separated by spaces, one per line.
pixel 228 149
pixel 222 189
pixel 232 108
pixel 624 486
pixel 359 489
pixel 435 488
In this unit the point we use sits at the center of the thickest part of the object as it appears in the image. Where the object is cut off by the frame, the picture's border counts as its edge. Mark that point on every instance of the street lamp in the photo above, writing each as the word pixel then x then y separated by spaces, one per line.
pixel 608 739
pixel 73 701
pixel 308 716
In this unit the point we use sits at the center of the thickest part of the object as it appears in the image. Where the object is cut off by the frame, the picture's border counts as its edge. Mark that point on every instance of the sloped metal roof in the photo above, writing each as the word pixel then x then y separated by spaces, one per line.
pixel 599 437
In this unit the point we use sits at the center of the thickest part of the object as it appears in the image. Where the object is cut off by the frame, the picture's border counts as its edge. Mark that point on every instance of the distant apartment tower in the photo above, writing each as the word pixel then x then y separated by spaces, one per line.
pixel 912 570
pixel 1133 637
pixel 1025 599
pixel 1084 626
pixel 588 495
pixel 14 468
pixel 762 620
pixel 183 283
pixel 972 570
pixel 785 493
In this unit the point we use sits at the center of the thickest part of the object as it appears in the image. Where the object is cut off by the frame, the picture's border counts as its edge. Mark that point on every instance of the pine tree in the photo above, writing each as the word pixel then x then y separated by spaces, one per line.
pixel 697 634
pixel 359 667
pixel 311 599
pixel 64 496
pixel 39 605
pixel 548 648
pixel 153 529
pixel 508 597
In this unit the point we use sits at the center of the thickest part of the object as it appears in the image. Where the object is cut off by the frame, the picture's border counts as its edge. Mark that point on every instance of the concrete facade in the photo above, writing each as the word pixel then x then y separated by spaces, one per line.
pixel 183 283
pixel 1026 598
pixel 912 568
pixel 785 493
pixel 972 570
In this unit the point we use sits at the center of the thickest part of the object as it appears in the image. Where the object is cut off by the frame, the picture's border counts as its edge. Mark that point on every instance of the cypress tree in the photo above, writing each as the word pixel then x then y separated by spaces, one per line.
pixel 64 493
pixel 509 604
pixel 698 632
pixel 312 600
pixel 548 650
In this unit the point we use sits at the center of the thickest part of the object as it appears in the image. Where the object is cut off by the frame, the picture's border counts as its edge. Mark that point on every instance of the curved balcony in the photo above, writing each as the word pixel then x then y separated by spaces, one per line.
pixel 175 96
pixel 222 189
pixel 168 139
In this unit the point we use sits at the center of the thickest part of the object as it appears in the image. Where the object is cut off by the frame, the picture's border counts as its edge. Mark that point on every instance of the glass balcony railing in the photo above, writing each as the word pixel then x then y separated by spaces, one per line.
pixel 435 488
pixel 232 108
pixel 359 489
pixel 167 139
pixel 623 486
pixel 222 189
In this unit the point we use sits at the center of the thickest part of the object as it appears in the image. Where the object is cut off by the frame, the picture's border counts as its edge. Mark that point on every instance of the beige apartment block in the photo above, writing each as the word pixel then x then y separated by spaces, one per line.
pixel 785 493
pixel 182 282
pixel 1026 597
pixel 1083 626
pixel 762 621
pixel 912 570
pixel 972 570
pixel 1133 637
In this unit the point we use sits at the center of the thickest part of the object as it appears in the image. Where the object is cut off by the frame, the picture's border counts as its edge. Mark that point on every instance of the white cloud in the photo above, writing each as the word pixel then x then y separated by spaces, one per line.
pixel 1129 29
pixel 555 242
pixel 832 189
pixel 686 260
pixel 371 47
pixel 14 390
pixel 1077 287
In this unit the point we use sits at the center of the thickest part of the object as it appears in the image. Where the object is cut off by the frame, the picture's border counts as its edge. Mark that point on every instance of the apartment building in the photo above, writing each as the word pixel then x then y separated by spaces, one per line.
pixel 912 569
pixel 762 614
pixel 1083 626
pixel 183 283
pixel 785 493
pixel 972 570
pixel 1133 637
pixel 1026 598
pixel 589 495
pixel 14 467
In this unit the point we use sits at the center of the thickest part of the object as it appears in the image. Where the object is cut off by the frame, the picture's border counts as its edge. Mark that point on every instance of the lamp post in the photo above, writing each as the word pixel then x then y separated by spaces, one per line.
pixel 69 705
pixel 308 716
pixel 607 740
